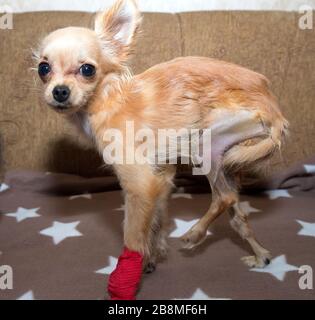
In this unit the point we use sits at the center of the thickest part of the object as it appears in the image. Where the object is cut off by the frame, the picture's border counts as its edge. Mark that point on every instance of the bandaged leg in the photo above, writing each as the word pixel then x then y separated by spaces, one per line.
pixel 124 280
pixel 142 189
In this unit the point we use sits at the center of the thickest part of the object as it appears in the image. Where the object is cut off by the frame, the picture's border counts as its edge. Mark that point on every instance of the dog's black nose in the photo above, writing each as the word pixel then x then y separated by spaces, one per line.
pixel 61 93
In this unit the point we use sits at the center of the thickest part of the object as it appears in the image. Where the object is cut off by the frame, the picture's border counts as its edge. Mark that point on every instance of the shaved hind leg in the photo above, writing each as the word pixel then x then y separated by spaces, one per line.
pixel 240 224
pixel 227 130
pixel 223 197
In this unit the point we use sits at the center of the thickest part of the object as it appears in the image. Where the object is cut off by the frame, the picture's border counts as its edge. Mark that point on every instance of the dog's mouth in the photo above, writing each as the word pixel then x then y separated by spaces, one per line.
pixel 60 107
pixel 66 107
pixel 63 107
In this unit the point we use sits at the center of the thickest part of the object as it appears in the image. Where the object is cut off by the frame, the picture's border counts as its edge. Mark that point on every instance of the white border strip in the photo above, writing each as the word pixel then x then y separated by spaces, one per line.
pixel 171 6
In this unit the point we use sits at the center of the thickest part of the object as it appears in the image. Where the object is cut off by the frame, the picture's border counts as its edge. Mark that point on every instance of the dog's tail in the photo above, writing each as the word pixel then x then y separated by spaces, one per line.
pixel 240 155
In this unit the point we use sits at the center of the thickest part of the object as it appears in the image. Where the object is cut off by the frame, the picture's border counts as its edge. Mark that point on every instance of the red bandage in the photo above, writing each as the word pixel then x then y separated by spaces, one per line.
pixel 124 280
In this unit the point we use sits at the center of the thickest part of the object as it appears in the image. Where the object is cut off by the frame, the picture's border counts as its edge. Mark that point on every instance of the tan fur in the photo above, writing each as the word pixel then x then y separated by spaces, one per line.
pixel 182 93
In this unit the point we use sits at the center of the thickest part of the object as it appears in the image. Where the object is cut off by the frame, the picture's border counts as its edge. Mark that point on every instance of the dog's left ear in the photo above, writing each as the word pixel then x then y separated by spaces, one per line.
pixel 117 26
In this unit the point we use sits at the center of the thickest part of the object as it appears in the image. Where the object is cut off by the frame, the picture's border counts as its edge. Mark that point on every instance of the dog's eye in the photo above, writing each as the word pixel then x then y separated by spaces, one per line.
pixel 87 70
pixel 43 69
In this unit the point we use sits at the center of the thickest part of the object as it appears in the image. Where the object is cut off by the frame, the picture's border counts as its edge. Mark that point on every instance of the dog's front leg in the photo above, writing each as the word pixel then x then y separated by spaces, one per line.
pixel 142 187
pixel 138 220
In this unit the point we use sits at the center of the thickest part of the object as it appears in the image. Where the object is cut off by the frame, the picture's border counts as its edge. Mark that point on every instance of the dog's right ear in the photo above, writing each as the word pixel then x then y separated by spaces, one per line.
pixel 116 28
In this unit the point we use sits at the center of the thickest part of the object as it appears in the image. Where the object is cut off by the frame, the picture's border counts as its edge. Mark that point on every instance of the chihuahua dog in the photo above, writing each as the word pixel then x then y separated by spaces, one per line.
pixel 85 77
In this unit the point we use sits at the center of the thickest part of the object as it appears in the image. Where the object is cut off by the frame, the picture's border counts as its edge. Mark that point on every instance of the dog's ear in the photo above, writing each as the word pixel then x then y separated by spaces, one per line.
pixel 117 26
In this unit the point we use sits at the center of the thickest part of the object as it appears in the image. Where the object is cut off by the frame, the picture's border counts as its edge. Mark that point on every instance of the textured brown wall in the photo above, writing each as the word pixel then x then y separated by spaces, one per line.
pixel 34 137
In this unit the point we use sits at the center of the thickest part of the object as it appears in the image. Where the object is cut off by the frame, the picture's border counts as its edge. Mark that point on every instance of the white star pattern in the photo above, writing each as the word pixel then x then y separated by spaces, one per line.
pixel 247 208
pixel 53 232
pixel 21 214
pixel 278 193
pixel 60 231
pixel 110 267
pixel 181 195
pixel 84 195
pixel 308 228
pixel 200 295
pixel 182 227
pixel 277 268
pixel 309 168
pixel 3 187
pixel 29 295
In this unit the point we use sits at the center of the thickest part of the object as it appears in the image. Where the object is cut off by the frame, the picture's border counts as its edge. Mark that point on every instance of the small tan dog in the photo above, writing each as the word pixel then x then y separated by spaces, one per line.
pixel 86 79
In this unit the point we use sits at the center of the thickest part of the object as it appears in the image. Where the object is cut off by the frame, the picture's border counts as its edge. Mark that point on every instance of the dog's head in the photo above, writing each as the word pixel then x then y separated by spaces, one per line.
pixel 73 61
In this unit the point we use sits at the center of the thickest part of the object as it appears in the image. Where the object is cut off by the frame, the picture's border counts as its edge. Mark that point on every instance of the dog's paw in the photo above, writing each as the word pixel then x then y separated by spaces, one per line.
pixel 149 267
pixel 193 238
pixel 161 253
pixel 162 249
pixel 257 262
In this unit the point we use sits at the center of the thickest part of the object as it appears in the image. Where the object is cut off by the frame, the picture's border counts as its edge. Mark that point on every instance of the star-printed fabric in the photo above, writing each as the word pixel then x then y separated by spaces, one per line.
pixel 62 235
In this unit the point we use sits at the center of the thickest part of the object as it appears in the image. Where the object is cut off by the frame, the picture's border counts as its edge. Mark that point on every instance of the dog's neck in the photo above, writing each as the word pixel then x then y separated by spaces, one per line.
pixel 108 100
pixel 81 120
pixel 102 104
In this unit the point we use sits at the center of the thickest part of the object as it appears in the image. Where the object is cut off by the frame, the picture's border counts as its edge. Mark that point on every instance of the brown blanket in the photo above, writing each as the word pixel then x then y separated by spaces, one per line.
pixel 61 235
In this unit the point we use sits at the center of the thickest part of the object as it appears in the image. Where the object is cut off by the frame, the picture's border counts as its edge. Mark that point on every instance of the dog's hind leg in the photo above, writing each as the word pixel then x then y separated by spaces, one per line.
pixel 228 128
pixel 224 195
pixel 240 224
